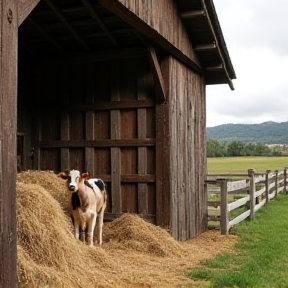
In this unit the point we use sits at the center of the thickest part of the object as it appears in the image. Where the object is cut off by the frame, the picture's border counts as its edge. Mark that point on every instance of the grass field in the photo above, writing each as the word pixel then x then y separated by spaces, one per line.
pixel 260 257
pixel 242 164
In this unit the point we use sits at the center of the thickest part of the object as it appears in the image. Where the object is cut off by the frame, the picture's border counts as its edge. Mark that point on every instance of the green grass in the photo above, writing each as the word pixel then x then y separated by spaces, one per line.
pixel 260 257
pixel 242 164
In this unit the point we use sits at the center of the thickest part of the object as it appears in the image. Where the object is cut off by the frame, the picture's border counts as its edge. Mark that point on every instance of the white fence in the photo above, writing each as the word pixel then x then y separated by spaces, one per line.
pixel 239 196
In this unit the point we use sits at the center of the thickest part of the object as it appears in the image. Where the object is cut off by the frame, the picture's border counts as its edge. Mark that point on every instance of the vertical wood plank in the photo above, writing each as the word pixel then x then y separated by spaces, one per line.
pixel 203 194
pixel 64 152
pixel 115 128
pixel 8 129
pixel 174 157
pixel 142 151
pixel 162 153
pixel 89 121
pixel 190 206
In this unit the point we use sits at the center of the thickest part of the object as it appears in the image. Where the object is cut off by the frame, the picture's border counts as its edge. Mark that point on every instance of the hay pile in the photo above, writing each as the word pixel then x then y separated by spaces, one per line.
pixel 134 254
pixel 130 233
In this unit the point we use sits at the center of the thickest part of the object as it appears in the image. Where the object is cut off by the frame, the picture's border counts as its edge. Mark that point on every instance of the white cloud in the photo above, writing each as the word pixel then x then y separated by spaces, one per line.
pixel 257 41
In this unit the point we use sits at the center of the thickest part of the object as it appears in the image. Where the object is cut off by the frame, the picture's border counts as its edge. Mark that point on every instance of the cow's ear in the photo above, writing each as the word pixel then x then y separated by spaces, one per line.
pixel 85 175
pixel 62 175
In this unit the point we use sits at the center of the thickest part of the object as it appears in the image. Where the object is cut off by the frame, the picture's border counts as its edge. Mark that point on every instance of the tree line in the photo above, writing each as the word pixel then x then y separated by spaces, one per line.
pixel 217 148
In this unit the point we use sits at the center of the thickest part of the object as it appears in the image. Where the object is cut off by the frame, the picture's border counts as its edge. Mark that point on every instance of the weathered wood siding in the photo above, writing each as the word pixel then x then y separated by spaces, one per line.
pixel 8 126
pixel 163 16
pixel 186 145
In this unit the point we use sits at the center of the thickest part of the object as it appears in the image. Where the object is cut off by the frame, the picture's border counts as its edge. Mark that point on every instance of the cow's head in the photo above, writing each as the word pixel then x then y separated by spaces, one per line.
pixel 73 177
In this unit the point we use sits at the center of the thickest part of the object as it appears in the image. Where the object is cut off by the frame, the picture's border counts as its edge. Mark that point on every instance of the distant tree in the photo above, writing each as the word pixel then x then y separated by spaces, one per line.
pixel 262 150
pixel 278 150
pixel 215 148
pixel 235 148
pixel 249 149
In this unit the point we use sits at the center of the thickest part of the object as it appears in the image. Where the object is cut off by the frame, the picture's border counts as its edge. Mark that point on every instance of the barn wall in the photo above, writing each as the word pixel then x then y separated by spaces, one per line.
pixel 187 152
pixel 98 117
pixel 163 16
pixel 102 117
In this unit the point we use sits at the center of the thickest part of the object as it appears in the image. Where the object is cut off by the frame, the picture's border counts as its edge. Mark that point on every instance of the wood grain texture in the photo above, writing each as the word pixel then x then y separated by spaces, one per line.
pixel 25 7
pixel 8 129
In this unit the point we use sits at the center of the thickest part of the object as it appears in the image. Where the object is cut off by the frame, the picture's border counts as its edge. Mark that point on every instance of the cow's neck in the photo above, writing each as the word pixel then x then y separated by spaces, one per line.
pixel 83 196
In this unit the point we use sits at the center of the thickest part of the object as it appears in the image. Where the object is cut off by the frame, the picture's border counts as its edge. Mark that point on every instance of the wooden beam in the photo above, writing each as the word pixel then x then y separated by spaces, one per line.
pixel 99 22
pixel 45 34
pixel 97 143
pixel 96 106
pixel 63 19
pixel 25 7
pixel 143 28
pixel 215 68
pixel 193 14
pixel 89 57
pixel 158 78
pixel 8 135
pixel 218 69
pixel 205 47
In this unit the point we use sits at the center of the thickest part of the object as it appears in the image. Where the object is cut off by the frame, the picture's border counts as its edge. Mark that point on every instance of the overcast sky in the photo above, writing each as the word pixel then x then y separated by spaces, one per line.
pixel 256 35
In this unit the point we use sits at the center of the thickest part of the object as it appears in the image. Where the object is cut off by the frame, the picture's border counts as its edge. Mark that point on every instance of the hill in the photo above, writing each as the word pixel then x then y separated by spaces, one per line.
pixel 268 132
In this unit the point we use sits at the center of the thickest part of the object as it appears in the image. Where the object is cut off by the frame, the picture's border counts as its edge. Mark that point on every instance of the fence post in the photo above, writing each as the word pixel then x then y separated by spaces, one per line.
pixel 276 183
pixel 285 180
pixel 223 206
pixel 252 192
pixel 267 186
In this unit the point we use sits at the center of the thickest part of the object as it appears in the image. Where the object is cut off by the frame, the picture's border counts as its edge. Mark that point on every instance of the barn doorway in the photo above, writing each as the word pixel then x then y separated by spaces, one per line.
pixel 87 101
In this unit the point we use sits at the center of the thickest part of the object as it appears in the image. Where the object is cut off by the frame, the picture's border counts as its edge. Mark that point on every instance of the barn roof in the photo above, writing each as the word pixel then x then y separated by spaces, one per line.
pixel 206 35
pixel 68 27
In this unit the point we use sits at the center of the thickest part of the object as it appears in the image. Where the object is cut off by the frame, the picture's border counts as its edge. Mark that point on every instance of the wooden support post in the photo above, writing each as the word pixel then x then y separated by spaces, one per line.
pixel 165 213
pixel 89 119
pixel 276 183
pixel 8 129
pixel 252 193
pixel 158 78
pixel 223 206
pixel 285 181
pixel 267 186
pixel 142 151
pixel 115 128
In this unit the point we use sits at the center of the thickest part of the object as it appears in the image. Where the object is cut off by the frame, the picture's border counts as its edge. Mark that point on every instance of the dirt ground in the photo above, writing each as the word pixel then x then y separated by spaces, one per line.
pixel 134 253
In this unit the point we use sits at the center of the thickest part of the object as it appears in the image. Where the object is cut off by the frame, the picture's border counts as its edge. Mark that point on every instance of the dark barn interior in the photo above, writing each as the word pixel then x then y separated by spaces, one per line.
pixel 86 97
pixel 90 98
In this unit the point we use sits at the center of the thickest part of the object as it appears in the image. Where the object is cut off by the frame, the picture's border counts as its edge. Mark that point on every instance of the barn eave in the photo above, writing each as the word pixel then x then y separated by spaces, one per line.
pixel 205 33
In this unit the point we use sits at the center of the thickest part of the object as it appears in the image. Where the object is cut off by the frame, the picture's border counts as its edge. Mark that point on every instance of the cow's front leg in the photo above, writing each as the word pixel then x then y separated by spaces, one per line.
pixel 91 227
pixel 76 228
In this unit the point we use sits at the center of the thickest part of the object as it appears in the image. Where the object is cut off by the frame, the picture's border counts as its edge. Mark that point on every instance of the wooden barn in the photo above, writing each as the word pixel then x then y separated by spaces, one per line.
pixel 115 87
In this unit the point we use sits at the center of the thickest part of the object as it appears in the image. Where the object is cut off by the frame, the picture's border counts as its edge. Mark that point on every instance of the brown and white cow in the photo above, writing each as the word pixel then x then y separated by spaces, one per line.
pixel 87 204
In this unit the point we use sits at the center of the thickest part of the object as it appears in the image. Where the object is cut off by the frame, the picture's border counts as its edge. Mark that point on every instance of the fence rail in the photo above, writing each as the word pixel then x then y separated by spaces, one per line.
pixel 234 197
